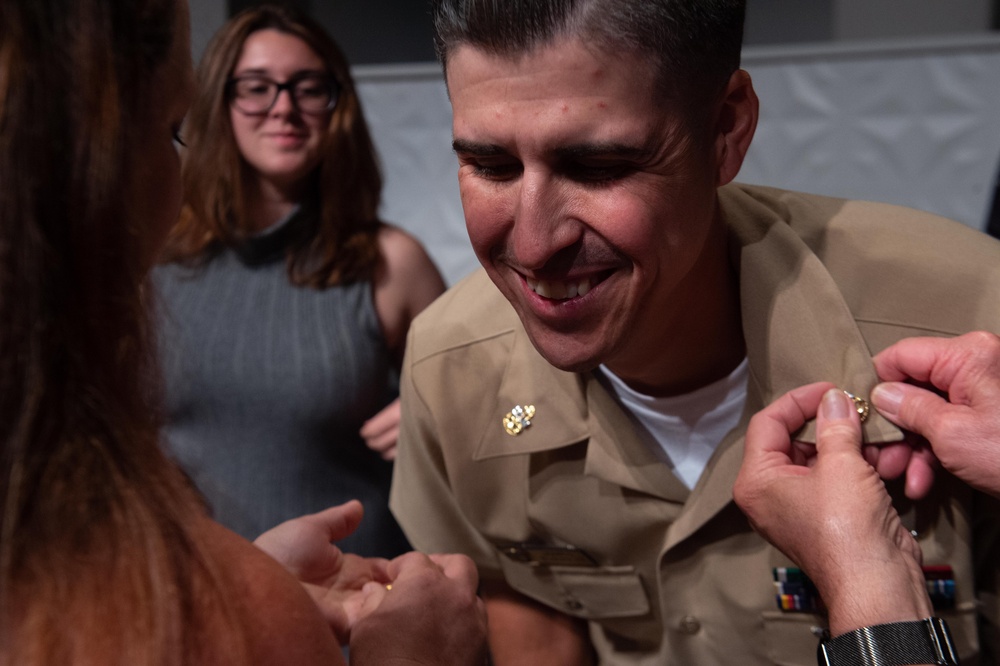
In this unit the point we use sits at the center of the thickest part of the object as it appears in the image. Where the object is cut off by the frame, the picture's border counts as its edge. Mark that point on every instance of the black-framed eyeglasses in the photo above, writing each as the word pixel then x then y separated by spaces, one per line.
pixel 254 94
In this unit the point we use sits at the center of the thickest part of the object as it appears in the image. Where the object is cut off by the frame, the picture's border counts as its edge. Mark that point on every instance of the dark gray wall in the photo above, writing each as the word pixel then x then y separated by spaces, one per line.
pixel 784 22
pixel 371 31
pixel 397 31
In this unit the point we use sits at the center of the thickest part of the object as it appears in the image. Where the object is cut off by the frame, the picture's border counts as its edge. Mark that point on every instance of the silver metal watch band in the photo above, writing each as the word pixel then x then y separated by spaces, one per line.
pixel 926 641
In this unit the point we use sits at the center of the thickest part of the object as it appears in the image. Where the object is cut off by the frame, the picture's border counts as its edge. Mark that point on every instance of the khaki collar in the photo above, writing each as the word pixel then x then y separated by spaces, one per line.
pixel 797 327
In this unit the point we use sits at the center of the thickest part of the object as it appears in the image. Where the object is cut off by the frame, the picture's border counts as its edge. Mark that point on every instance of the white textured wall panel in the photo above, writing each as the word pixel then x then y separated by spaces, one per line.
pixel 907 125
pixel 915 124
pixel 410 117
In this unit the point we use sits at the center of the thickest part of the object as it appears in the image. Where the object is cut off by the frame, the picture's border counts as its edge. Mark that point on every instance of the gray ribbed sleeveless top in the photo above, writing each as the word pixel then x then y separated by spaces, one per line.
pixel 267 385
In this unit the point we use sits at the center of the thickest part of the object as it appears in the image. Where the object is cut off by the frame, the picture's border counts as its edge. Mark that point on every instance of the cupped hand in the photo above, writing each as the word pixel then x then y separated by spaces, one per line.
pixel 334 579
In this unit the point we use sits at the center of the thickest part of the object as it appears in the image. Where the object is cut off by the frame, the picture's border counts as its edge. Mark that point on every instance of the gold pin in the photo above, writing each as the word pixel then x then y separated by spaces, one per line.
pixel 860 404
pixel 518 419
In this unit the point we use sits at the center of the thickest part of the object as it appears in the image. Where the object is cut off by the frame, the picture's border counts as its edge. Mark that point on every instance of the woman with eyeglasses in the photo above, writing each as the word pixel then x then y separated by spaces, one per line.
pixel 285 300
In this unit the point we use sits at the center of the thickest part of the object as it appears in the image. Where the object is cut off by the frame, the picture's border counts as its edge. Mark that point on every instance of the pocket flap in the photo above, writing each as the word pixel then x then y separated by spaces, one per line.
pixel 591 593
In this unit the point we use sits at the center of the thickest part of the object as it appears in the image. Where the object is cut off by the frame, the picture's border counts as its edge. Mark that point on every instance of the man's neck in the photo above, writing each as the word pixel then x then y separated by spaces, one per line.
pixel 701 340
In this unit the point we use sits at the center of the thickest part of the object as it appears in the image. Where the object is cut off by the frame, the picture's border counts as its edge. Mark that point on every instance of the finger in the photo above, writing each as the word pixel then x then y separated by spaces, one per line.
pixel 372 595
pixel 379 569
pixel 382 441
pixel 770 429
pixel 940 361
pixel 408 563
pixel 458 568
pixel 912 358
pixel 362 604
pixel 920 473
pixel 385 420
pixel 891 460
pixel 803 453
pixel 339 522
pixel 838 428
pixel 385 443
pixel 911 407
pixel 336 614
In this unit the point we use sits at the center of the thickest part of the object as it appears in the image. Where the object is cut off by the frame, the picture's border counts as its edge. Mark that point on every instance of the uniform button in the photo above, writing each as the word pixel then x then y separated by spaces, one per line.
pixel 572 604
pixel 690 625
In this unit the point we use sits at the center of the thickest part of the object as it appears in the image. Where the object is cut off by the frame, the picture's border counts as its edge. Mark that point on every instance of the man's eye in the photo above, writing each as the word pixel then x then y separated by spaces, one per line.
pixel 496 171
pixel 597 173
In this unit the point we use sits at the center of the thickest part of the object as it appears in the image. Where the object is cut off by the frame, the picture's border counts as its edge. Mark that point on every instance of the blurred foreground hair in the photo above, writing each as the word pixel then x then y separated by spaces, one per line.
pixel 99 559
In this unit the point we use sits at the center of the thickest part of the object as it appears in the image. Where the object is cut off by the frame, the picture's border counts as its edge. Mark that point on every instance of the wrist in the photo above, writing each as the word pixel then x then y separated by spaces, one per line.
pixel 926 641
pixel 892 591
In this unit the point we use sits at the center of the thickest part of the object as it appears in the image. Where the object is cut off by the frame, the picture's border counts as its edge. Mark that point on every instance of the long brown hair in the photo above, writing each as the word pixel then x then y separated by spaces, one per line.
pixel 99 561
pixel 342 245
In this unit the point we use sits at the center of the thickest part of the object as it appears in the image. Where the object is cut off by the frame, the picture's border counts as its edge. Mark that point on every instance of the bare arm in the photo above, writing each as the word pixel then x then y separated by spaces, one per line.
pixel 525 633
pixel 406 283
pixel 281 623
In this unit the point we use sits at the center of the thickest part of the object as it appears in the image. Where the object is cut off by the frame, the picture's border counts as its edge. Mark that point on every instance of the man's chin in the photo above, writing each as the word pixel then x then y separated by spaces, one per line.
pixel 564 352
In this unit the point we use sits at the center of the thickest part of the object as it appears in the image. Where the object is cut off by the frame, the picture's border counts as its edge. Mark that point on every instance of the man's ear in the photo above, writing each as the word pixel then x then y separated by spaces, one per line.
pixel 736 121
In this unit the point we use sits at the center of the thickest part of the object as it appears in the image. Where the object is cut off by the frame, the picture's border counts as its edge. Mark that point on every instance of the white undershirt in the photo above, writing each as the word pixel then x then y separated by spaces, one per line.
pixel 687 427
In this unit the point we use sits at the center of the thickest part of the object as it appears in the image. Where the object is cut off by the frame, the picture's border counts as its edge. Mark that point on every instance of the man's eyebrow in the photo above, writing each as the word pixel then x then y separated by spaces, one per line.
pixel 571 152
pixel 476 148
pixel 604 149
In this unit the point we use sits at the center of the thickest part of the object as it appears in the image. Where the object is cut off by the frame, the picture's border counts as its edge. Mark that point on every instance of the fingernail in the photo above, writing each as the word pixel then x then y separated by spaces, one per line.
pixel 887 398
pixel 835 405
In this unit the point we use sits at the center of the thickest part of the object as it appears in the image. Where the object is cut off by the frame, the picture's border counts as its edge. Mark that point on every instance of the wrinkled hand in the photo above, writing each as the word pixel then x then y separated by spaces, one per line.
pixel 964 427
pixel 381 432
pixel 334 579
pixel 430 617
pixel 829 511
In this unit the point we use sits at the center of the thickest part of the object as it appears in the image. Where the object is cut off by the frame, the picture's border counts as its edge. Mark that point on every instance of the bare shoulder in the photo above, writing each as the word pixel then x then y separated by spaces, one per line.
pixel 406 283
pixel 405 255
pixel 282 623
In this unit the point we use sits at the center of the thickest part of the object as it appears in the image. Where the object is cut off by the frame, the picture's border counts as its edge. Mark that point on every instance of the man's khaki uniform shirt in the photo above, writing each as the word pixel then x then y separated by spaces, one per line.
pixel 578 513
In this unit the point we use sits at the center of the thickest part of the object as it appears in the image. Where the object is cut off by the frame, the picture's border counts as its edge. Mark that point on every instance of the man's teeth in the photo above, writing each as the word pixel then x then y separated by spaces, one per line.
pixel 559 291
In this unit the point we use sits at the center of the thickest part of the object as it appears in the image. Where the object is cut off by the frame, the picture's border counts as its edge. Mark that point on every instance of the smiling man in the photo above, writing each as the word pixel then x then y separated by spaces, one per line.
pixel 573 414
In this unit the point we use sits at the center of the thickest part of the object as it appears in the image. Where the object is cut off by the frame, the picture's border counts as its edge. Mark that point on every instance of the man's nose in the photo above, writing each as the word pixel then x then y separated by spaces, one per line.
pixel 543 223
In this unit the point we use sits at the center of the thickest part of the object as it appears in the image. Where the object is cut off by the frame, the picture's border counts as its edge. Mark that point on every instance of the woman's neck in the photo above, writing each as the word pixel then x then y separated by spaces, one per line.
pixel 269 202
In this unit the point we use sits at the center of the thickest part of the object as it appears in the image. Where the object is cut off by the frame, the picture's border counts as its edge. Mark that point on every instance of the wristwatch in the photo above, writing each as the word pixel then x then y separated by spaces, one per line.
pixel 926 641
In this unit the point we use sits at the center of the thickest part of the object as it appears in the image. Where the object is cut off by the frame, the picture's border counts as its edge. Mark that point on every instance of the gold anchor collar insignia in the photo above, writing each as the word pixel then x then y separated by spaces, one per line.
pixel 860 405
pixel 518 418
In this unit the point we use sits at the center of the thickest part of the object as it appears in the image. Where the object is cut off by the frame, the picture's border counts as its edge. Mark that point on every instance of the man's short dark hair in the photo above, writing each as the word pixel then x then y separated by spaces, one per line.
pixel 695 43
